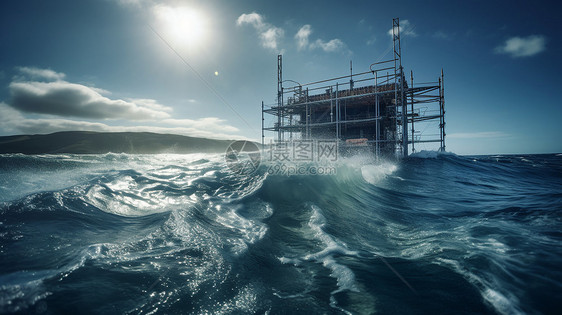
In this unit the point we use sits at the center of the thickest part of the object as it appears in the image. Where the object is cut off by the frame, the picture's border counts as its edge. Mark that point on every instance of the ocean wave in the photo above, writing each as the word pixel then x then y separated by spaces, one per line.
pixel 424 154
pixel 181 233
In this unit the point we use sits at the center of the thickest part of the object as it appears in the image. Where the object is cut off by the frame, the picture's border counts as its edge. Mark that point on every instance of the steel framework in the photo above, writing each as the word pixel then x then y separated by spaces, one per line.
pixel 375 110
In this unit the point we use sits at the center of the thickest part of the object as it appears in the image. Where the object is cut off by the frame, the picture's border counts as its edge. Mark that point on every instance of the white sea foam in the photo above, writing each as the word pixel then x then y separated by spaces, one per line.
pixel 500 302
pixel 249 231
pixel 373 174
pixel 344 276
pixel 126 197
pixel 213 215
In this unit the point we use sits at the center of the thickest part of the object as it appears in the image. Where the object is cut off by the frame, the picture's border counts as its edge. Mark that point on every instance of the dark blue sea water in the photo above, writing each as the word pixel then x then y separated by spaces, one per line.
pixel 166 234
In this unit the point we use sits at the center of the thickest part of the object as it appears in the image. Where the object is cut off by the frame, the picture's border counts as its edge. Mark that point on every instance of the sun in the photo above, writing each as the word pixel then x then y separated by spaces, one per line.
pixel 182 26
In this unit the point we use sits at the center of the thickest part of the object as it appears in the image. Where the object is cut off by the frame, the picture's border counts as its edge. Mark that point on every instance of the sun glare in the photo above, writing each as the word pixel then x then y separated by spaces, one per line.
pixel 181 25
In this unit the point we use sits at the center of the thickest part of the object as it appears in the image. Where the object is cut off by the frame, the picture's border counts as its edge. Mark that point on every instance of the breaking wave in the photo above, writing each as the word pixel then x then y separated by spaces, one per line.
pixel 434 233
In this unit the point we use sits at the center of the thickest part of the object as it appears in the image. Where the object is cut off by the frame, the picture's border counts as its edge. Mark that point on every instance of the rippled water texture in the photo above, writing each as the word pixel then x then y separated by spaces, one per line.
pixel 142 234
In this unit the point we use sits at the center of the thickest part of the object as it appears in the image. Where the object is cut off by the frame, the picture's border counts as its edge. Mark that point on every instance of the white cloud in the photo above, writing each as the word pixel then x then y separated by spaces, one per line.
pixel 207 123
pixel 150 104
pixel 303 41
pixel 302 37
pixel 67 100
pixel 75 100
pixel 523 46
pixel 12 122
pixel 8 114
pixel 100 91
pixel 253 18
pixel 331 46
pixel 39 74
pixel 406 29
pixel 477 135
pixel 29 93
pixel 269 35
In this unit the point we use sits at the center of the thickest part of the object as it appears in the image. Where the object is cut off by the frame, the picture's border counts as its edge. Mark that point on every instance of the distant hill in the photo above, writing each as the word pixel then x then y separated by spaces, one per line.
pixel 86 142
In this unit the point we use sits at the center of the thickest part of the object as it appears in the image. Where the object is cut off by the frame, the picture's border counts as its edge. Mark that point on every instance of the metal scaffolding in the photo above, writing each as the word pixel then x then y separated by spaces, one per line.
pixel 374 110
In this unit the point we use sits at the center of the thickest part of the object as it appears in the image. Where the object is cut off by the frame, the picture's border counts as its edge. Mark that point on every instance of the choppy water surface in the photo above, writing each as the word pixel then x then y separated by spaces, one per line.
pixel 143 234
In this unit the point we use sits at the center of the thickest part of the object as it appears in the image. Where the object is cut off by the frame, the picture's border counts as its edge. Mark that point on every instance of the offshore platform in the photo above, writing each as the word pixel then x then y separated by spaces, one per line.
pixel 375 111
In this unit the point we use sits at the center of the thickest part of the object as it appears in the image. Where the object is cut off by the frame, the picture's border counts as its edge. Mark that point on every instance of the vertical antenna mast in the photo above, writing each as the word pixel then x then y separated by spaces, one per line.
pixel 399 86
pixel 442 110
pixel 279 94
pixel 351 76
pixel 412 107
pixel 262 125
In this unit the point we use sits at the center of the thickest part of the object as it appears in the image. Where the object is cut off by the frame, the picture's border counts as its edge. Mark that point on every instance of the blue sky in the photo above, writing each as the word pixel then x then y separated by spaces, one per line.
pixel 102 65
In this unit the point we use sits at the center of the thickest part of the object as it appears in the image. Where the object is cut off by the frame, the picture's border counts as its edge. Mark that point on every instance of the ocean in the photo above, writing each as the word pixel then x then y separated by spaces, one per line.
pixel 183 234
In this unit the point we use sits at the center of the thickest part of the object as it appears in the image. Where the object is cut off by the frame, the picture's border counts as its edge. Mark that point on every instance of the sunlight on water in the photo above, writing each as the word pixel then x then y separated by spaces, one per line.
pixel 435 233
